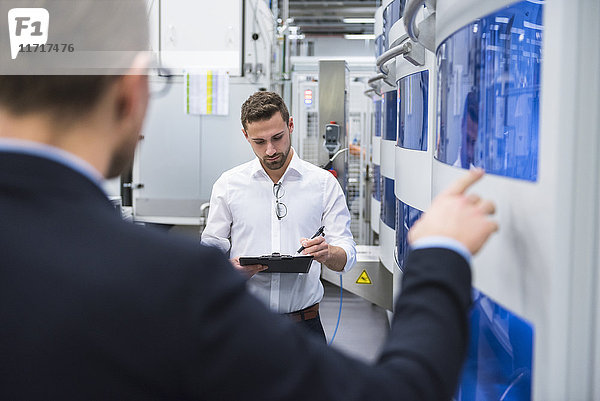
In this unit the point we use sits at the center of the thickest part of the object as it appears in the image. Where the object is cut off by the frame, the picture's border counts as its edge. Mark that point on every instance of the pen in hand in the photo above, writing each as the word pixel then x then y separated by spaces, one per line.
pixel 319 232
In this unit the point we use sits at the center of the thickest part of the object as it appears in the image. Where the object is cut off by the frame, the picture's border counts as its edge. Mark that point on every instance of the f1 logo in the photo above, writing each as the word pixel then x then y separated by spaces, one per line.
pixel 27 26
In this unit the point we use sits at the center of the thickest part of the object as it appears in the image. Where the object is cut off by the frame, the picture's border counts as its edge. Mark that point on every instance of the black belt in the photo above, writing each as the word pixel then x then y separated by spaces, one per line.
pixel 312 312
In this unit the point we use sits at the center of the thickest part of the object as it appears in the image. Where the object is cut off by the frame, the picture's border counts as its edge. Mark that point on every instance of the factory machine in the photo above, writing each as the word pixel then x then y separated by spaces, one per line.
pixel 476 84
pixel 309 129
pixel 331 132
pixel 224 52
pixel 389 104
pixel 376 83
pixel 409 64
pixel 528 115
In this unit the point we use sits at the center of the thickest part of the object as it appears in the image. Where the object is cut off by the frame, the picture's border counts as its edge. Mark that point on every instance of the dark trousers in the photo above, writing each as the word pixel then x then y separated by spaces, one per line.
pixel 314 326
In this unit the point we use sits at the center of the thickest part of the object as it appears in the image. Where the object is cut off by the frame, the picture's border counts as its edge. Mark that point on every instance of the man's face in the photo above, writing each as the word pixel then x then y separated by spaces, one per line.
pixel 270 140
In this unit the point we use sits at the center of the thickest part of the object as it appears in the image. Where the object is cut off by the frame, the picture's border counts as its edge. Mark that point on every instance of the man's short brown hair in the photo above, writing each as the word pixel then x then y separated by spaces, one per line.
pixel 107 31
pixel 262 106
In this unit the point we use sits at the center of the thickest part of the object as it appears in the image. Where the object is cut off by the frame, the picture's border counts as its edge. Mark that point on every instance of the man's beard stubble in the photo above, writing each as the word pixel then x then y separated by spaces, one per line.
pixel 279 164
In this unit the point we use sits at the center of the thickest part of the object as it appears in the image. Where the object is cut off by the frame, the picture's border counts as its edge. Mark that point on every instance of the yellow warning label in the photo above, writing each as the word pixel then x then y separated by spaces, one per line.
pixel 364 278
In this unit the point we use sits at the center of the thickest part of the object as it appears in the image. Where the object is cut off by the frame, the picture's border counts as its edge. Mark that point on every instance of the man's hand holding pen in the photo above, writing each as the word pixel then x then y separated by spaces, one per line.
pixel 317 247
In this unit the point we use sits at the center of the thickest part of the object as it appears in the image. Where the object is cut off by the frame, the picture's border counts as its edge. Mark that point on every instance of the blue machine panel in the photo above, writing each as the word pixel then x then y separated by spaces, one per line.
pixel 489 93
pixel 392 13
pixel 498 364
pixel 388 202
pixel 377 182
pixel 406 216
pixel 412 111
pixel 377 105
pixel 390 112
pixel 379 44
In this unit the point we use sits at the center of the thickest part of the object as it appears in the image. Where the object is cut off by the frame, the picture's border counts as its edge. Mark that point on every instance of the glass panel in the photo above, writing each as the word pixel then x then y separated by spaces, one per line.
pixel 392 13
pixel 412 111
pixel 388 202
pixel 376 182
pixel 498 364
pixel 379 45
pixel 387 24
pixel 378 105
pixel 390 111
pixel 406 216
pixel 489 93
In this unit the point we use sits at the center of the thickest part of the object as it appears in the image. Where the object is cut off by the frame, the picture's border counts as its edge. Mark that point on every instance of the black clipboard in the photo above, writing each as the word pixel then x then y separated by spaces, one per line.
pixel 280 263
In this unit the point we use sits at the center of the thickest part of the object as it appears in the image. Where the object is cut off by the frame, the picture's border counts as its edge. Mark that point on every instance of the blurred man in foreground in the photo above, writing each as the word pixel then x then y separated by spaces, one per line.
pixel 92 307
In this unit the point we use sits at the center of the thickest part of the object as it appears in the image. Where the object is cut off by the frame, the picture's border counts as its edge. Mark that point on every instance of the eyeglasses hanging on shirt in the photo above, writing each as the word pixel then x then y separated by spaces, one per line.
pixel 280 207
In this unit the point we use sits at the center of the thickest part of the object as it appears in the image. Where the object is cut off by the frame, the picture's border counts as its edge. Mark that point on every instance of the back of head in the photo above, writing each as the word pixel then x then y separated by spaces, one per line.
pixel 262 106
pixel 63 64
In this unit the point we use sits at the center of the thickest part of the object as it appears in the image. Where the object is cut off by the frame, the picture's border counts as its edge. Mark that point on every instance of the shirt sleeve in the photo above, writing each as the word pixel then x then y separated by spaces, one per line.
pixel 336 219
pixel 443 242
pixel 218 225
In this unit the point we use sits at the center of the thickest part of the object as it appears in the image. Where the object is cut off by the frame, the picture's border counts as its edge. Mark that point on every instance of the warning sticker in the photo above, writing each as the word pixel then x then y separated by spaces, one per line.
pixel 364 278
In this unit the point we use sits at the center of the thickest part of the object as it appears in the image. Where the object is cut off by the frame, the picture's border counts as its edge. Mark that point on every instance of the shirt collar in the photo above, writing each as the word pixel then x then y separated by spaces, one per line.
pixel 52 153
pixel 294 168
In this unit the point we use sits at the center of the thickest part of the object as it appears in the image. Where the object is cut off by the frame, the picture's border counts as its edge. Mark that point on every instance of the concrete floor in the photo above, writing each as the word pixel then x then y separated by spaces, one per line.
pixel 363 325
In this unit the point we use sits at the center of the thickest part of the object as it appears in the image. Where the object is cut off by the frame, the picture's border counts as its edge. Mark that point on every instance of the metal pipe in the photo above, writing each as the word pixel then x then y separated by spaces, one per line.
pixel 375 78
pixel 285 11
pixel 390 54
pixel 410 15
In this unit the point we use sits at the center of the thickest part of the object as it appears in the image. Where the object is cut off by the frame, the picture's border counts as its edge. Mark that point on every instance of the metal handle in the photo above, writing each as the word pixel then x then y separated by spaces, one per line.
pixel 410 15
pixel 390 54
pixel 375 78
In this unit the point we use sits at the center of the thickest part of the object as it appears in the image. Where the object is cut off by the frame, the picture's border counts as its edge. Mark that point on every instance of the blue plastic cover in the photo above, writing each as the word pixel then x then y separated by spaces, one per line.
pixel 377 182
pixel 390 112
pixel 392 13
pixel 377 106
pixel 499 357
pixel 489 93
pixel 412 111
pixel 388 202
pixel 406 216
pixel 379 45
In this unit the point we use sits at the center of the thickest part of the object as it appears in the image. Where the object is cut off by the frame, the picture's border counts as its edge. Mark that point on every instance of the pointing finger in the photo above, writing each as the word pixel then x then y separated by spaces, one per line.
pixel 459 186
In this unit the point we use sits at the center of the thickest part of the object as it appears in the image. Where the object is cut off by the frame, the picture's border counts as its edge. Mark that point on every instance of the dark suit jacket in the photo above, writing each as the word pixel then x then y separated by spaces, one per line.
pixel 92 307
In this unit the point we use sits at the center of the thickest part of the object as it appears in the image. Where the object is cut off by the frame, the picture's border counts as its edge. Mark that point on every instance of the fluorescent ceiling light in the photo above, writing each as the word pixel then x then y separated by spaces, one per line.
pixel 360 37
pixel 359 20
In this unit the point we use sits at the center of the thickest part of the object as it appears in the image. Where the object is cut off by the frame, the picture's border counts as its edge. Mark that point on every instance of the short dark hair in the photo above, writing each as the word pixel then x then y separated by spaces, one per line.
pixel 108 34
pixel 64 96
pixel 262 106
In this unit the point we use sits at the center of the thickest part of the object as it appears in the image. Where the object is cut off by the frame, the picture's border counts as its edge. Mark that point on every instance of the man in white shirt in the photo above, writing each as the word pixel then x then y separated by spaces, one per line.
pixel 272 204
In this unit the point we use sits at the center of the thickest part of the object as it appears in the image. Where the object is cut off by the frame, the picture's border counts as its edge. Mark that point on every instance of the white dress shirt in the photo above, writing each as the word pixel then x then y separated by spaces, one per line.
pixel 242 219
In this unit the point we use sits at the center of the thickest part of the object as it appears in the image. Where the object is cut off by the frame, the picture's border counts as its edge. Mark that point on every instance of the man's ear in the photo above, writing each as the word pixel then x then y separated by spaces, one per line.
pixel 245 134
pixel 291 124
pixel 132 98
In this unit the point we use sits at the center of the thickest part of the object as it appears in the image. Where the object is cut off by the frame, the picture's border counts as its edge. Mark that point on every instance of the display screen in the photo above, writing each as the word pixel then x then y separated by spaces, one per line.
pixel 489 93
